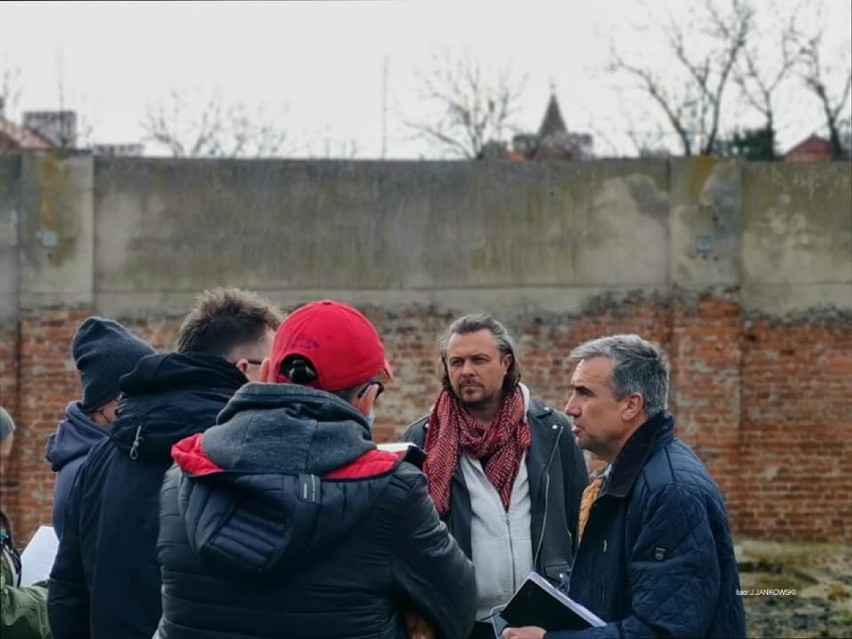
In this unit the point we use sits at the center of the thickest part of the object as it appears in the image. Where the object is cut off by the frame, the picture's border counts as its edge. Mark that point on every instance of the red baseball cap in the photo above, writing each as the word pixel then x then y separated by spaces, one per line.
pixel 339 341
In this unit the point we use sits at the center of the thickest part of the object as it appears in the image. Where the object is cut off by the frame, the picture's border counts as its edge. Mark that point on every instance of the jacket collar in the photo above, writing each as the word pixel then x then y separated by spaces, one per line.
pixel 648 438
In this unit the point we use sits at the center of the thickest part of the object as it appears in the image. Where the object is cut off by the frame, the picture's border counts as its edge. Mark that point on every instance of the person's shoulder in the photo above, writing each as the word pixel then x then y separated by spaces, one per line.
pixel 408 473
pixel 675 464
pixel 98 455
pixel 540 410
pixel 415 432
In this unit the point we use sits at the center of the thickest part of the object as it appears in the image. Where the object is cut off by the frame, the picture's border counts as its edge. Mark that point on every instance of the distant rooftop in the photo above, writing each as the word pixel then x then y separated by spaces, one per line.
pixel 18 138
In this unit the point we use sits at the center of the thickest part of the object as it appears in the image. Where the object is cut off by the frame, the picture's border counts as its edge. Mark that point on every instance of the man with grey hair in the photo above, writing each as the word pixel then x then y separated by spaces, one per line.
pixel 655 557
pixel 503 470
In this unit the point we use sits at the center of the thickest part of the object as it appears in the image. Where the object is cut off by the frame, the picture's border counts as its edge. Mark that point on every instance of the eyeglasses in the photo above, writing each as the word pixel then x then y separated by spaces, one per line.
pixel 367 386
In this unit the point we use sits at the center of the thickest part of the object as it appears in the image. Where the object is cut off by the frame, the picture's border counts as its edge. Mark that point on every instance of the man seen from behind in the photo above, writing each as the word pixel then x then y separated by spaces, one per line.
pixel 103 351
pixel 286 521
pixel 105 582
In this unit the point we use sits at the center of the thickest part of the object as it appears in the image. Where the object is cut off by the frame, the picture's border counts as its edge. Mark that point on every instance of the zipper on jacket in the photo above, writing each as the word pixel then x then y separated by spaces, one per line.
pixel 134 449
pixel 511 551
pixel 546 481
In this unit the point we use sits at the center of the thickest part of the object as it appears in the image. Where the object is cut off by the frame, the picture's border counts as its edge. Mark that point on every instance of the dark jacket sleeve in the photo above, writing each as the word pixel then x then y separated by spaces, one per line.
pixel 68 594
pixel 428 565
pixel 23 610
pixel 674 573
pixel 64 481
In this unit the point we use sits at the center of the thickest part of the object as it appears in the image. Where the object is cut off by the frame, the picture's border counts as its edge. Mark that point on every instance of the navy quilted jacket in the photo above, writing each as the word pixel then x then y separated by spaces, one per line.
pixel 656 558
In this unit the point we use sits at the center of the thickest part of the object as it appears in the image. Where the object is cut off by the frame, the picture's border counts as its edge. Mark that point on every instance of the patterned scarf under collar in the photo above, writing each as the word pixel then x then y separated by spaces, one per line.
pixel 499 445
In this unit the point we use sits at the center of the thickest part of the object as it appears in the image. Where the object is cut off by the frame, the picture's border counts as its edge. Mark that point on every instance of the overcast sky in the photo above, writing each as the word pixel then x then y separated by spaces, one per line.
pixel 320 66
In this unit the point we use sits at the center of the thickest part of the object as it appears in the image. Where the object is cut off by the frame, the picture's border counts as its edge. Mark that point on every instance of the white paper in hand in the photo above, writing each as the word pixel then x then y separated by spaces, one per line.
pixel 395 447
pixel 37 558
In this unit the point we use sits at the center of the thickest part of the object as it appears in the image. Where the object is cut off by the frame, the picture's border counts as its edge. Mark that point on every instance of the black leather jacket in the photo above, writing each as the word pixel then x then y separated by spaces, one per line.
pixel 557 475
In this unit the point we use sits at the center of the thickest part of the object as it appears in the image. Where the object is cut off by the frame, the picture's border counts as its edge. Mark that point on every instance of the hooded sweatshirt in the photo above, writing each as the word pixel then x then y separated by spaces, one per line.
pixel 105 582
pixel 66 451
pixel 286 521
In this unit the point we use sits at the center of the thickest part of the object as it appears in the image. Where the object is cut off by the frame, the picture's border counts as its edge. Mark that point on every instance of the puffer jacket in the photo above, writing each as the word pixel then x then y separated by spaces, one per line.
pixel 105 582
pixel 285 520
pixel 656 558
pixel 66 451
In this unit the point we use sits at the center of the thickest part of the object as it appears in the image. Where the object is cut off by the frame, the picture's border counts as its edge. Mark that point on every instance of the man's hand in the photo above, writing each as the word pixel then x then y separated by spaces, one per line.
pixel 417 626
pixel 526 632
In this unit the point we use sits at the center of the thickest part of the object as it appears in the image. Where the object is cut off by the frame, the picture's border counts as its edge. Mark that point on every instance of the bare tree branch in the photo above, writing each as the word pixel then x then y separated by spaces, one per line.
pixel 10 90
pixel 218 130
pixel 471 108
pixel 694 107
pixel 813 73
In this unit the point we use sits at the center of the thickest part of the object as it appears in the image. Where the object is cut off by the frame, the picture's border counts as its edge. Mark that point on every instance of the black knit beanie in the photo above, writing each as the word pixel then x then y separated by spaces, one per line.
pixel 104 351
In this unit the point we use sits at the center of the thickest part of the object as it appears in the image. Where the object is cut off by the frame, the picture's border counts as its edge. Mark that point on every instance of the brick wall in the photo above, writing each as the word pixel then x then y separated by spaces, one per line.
pixel 764 404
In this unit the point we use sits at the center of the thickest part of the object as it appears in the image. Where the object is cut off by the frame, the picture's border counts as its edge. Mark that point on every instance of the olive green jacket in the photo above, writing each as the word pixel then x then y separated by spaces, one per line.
pixel 23 610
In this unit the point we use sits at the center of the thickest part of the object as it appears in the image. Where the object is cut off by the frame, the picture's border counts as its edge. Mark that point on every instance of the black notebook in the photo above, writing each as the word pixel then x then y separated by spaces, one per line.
pixel 538 603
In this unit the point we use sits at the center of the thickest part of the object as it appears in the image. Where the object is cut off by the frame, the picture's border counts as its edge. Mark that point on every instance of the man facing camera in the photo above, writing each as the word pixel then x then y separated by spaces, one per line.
pixel 503 469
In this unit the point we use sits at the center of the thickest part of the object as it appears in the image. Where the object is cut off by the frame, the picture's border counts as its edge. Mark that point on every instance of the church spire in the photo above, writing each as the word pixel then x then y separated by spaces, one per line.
pixel 552 122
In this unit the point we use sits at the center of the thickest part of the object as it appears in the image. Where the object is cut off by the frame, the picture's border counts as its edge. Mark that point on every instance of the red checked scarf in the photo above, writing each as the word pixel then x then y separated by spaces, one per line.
pixel 500 445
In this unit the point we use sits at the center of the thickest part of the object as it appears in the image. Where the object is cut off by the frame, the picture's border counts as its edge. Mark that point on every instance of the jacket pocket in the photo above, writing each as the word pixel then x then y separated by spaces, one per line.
pixel 557 572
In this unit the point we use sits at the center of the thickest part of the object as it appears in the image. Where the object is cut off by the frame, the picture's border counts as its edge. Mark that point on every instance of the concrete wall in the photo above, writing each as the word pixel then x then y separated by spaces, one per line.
pixel 129 234
pixel 742 271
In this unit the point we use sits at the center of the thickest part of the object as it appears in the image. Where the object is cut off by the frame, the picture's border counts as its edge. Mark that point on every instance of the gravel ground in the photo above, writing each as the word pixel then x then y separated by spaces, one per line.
pixel 820 575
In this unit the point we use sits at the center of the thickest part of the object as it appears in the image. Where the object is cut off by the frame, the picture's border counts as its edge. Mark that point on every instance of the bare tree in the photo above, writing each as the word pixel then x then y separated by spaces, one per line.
pixel 212 128
pixel 75 128
pixel 765 62
pixel 815 73
pixel 10 90
pixel 471 108
pixel 693 102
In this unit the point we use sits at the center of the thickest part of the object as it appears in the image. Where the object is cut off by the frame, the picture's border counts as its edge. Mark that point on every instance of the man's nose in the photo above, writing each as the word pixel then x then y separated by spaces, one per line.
pixel 467 368
pixel 571 408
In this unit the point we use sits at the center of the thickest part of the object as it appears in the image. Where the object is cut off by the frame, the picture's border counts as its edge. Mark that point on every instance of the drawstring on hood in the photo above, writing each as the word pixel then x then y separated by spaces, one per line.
pixel 166 396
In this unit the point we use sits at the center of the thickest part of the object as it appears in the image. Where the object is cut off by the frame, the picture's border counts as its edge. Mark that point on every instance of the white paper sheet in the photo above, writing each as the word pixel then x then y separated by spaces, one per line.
pixel 394 447
pixel 37 558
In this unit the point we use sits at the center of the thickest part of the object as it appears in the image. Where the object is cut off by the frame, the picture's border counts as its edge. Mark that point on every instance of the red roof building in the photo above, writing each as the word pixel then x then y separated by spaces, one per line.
pixel 15 138
pixel 811 149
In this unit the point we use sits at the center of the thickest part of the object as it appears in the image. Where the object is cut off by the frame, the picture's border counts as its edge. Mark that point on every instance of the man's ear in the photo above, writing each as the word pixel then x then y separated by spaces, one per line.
pixel 266 373
pixel 242 365
pixel 364 403
pixel 634 406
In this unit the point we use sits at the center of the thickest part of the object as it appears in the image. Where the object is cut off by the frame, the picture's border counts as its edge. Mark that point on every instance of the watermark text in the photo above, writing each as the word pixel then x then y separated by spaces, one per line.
pixel 766 592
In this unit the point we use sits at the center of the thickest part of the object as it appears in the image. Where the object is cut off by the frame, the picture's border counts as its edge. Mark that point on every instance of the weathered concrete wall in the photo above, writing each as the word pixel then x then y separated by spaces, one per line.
pixel 797 238
pixel 397 233
pixel 742 271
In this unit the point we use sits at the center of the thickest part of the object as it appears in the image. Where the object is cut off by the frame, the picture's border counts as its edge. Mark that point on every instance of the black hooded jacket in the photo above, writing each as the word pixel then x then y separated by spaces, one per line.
pixel 105 582
pixel 285 520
